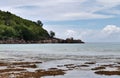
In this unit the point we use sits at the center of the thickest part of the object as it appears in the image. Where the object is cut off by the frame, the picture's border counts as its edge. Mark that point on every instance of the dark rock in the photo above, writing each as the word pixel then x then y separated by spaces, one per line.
pixel 108 72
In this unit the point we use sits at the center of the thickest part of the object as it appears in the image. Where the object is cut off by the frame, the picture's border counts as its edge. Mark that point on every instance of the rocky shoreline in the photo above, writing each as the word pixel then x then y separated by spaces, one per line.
pixel 19 70
pixel 49 40
pixel 22 69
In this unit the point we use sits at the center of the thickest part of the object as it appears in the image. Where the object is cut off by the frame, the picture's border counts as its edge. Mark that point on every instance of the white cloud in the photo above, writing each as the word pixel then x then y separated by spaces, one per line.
pixel 109 6
pixel 70 33
pixel 110 33
pixel 57 10
pixel 109 2
pixel 110 29
pixel 62 10
pixel 85 15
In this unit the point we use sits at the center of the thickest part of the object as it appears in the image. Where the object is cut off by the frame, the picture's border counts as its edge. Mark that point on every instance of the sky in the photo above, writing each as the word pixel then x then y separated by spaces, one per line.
pixel 89 20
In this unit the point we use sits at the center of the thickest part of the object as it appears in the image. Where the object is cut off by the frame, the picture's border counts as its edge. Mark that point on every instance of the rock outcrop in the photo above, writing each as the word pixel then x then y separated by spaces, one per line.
pixel 49 40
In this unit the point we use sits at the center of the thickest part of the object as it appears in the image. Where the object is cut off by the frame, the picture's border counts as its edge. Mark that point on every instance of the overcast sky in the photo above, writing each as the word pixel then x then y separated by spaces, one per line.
pixel 89 20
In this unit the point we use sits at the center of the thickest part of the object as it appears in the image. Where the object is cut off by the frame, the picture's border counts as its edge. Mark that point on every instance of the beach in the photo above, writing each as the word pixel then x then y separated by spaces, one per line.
pixel 60 60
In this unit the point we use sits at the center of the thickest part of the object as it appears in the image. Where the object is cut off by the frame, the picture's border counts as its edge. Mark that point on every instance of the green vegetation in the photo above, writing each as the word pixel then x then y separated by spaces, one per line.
pixel 14 27
pixel 52 34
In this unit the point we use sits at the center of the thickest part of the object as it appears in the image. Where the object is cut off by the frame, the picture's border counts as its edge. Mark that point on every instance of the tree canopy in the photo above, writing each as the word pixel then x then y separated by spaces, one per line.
pixel 12 26
pixel 52 34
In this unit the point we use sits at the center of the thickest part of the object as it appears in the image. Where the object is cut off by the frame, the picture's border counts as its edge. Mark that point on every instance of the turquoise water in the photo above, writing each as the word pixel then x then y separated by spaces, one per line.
pixel 59 54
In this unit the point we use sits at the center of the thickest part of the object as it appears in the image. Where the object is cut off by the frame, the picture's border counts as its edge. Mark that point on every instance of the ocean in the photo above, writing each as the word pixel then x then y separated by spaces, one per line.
pixel 53 55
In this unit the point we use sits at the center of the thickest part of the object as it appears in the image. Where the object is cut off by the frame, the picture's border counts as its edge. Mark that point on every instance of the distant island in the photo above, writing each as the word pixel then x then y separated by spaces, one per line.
pixel 16 30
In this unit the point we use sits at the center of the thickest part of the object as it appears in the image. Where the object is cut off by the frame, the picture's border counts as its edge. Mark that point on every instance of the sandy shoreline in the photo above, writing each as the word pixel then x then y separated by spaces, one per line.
pixel 107 66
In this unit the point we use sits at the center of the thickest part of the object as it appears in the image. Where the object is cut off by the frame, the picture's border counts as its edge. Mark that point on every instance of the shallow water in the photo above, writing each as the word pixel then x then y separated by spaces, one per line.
pixel 60 54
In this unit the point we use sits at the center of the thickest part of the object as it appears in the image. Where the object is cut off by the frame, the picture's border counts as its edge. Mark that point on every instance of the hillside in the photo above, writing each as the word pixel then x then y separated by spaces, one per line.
pixel 15 27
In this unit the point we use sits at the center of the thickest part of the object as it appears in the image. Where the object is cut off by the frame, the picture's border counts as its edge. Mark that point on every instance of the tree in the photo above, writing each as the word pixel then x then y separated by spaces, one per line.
pixel 7 32
pixel 39 23
pixel 15 27
pixel 52 34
